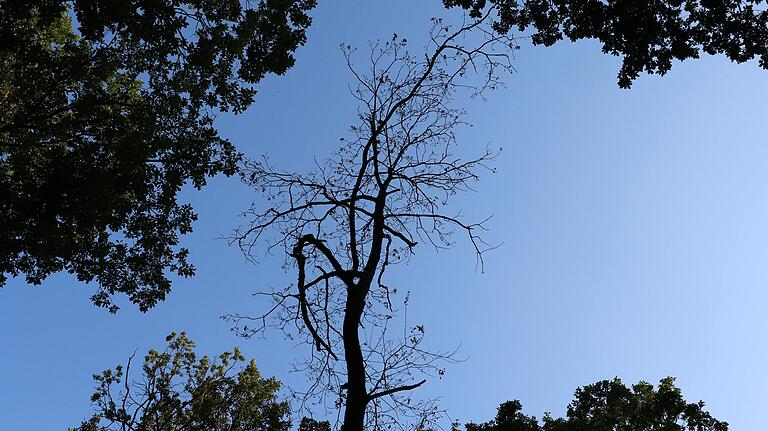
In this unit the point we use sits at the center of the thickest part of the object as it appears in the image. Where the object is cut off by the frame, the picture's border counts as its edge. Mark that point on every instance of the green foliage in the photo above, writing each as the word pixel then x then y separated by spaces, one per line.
pixel 178 391
pixel 101 125
pixel 309 424
pixel 649 35
pixel 609 405
pixel 508 418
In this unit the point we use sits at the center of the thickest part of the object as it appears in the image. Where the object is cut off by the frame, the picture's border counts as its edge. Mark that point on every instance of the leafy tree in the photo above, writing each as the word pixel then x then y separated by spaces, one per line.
pixel 509 417
pixel 609 405
pixel 106 111
pixel 367 208
pixel 648 35
pixel 178 391
pixel 309 424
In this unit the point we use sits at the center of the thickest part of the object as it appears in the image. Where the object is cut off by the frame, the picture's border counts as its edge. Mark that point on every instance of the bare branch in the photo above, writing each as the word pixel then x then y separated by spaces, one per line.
pixel 397 389
pixel 385 190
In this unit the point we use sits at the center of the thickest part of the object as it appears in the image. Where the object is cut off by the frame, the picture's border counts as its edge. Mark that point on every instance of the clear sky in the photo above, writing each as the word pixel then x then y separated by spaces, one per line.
pixel 634 228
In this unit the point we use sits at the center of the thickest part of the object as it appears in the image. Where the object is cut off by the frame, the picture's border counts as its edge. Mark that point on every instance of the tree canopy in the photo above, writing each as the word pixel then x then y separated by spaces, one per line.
pixel 178 391
pixel 609 405
pixel 106 111
pixel 648 35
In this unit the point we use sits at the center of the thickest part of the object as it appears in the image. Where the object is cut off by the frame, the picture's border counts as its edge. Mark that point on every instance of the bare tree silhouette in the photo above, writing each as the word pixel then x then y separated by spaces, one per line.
pixel 367 208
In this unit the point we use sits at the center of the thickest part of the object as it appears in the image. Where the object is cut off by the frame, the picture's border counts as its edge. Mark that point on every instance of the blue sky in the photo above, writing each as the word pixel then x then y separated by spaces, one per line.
pixel 634 228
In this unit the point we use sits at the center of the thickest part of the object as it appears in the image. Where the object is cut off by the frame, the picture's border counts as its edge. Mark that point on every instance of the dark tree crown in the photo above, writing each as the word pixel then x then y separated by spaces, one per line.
pixel 648 35
pixel 609 405
pixel 106 111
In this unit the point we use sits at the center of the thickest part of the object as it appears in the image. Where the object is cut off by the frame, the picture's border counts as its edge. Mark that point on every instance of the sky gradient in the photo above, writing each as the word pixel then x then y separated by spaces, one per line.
pixel 634 226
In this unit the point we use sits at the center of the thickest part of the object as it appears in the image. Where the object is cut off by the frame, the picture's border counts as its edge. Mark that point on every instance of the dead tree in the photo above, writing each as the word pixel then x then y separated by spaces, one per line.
pixel 366 208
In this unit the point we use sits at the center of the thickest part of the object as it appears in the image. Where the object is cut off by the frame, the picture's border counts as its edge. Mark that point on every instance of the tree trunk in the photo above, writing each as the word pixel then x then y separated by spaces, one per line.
pixel 357 395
